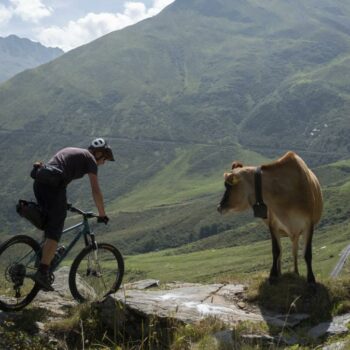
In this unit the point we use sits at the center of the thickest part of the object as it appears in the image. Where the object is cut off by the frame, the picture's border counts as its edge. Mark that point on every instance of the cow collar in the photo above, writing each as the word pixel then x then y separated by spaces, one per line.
pixel 259 208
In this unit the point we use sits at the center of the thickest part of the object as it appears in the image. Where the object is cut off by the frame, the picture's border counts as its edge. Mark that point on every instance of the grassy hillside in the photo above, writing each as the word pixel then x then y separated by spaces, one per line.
pixel 173 203
pixel 195 171
pixel 309 105
pixel 197 73
pixel 154 218
pixel 237 263
pixel 179 97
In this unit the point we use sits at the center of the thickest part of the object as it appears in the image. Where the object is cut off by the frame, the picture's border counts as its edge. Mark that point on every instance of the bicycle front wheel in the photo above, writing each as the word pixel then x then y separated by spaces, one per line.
pixel 96 273
pixel 18 260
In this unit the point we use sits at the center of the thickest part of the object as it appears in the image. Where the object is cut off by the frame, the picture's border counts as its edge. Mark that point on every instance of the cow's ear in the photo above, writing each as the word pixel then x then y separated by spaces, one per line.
pixel 231 179
pixel 236 165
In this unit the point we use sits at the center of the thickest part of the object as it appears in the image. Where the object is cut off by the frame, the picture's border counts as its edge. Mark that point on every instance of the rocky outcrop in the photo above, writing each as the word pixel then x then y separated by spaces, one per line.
pixel 189 303
pixel 135 308
pixel 144 308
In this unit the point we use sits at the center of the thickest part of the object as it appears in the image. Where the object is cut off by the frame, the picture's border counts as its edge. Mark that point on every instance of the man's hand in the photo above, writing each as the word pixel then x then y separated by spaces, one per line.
pixel 103 219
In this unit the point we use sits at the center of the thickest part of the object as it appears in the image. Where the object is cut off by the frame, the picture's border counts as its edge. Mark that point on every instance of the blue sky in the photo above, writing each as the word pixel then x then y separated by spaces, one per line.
pixel 71 23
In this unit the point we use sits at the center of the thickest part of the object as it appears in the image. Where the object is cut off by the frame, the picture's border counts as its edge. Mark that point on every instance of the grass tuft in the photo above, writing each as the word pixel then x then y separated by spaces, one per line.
pixel 292 294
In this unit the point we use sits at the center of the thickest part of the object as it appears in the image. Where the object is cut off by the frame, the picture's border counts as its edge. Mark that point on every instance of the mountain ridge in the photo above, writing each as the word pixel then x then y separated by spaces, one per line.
pixel 18 54
pixel 180 96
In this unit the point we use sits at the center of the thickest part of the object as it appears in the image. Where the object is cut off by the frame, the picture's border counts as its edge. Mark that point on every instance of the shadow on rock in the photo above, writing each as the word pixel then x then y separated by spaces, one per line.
pixel 291 301
pixel 132 327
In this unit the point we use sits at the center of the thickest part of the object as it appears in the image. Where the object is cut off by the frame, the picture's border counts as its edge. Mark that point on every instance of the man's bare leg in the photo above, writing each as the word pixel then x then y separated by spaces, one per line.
pixel 49 249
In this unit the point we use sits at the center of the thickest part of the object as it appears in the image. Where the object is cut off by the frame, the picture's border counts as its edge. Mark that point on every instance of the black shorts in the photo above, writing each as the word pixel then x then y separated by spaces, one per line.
pixel 54 201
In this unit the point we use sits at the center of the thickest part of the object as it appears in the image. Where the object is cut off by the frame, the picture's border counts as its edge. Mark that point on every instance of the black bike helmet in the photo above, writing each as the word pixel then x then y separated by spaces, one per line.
pixel 101 145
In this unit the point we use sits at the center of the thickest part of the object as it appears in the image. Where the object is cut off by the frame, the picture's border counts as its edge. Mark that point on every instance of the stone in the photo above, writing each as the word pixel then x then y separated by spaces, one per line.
pixel 241 305
pixel 259 339
pixel 60 300
pixel 336 326
pixel 283 320
pixel 224 339
pixel 144 284
pixel 136 309
pixel 190 303
pixel 341 345
pixel 187 304
pixel 40 326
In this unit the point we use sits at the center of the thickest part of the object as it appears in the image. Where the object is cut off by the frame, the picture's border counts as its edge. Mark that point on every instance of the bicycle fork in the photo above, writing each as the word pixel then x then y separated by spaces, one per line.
pixel 93 268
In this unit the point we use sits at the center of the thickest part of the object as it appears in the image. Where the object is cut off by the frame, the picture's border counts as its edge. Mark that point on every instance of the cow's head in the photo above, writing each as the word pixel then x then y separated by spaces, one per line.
pixel 235 194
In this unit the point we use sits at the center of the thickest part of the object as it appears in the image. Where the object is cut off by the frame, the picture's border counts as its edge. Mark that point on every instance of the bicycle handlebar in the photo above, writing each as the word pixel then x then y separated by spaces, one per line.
pixel 87 214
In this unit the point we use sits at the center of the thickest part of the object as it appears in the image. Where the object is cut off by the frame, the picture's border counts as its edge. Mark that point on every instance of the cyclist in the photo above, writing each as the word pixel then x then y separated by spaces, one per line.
pixel 50 185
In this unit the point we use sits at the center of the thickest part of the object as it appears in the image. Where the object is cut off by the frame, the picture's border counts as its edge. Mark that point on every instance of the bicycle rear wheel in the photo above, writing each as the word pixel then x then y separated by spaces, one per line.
pixel 95 274
pixel 18 259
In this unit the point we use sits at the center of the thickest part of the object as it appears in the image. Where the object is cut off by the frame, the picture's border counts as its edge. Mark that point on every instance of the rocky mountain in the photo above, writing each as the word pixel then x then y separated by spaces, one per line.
pixel 179 96
pixel 18 54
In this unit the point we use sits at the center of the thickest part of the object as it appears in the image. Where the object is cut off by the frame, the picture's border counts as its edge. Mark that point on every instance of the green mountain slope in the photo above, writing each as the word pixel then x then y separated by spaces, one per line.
pixel 180 96
pixel 192 73
pixel 197 223
pixel 322 95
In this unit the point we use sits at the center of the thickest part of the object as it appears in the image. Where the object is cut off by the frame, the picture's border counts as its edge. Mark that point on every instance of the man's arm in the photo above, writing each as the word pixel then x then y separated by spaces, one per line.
pixel 97 194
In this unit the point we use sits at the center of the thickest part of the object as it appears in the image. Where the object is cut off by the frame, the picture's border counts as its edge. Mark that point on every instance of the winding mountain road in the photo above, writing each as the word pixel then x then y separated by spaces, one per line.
pixel 344 255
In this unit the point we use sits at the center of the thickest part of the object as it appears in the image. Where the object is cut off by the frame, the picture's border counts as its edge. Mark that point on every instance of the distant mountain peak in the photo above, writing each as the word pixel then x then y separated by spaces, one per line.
pixel 17 39
pixel 18 54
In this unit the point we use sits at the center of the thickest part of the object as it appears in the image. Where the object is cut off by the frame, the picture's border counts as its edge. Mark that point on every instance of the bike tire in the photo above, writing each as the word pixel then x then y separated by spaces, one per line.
pixel 83 276
pixel 17 258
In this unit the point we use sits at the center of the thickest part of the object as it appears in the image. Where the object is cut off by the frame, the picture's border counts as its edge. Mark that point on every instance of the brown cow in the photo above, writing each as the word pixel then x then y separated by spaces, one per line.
pixel 293 197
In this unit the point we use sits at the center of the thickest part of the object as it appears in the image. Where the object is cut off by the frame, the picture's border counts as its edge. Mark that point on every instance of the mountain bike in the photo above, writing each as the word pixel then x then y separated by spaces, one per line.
pixel 96 272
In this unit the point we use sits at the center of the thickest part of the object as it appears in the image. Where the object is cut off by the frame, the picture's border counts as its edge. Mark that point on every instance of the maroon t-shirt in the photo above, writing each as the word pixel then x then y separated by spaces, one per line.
pixel 74 162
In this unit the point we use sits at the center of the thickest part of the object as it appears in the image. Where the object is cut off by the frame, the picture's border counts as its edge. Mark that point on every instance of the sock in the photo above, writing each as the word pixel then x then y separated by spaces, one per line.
pixel 43 268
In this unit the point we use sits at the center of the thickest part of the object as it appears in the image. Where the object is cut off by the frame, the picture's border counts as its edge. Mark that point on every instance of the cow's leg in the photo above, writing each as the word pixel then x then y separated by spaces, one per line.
pixel 308 254
pixel 295 242
pixel 276 255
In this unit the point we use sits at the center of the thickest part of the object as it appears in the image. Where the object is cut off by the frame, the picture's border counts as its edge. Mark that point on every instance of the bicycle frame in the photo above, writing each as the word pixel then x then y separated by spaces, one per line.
pixel 89 239
pixel 102 272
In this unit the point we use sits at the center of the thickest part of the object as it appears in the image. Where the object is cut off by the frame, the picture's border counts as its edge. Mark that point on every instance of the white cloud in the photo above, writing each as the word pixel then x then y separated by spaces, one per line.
pixel 158 6
pixel 5 15
pixel 26 10
pixel 135 10
pixel 30 10
pixel 92 26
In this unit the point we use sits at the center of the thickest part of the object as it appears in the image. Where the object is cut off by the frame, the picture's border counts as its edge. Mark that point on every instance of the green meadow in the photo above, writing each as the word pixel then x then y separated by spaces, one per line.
pixel 236 263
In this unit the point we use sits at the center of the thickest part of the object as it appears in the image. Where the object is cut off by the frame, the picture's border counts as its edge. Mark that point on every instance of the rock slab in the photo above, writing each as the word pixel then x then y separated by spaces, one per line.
pixel 190 303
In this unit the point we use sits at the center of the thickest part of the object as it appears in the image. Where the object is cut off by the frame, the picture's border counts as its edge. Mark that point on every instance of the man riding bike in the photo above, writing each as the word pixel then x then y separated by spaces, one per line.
pixel 50 185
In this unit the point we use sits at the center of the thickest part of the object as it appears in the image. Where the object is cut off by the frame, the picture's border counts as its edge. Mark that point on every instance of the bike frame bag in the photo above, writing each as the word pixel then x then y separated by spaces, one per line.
pixel 32 212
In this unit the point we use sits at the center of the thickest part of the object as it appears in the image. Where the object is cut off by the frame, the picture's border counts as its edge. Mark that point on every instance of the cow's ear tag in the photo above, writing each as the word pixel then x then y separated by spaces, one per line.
pixel 234 180
pixel 260 210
